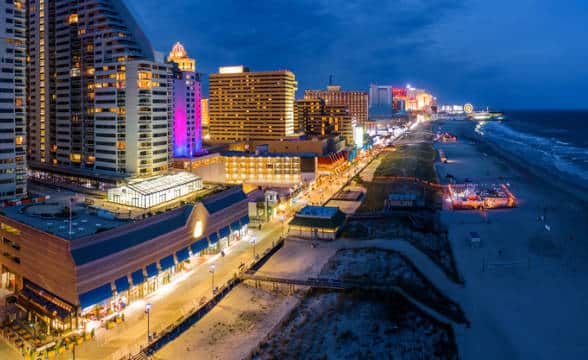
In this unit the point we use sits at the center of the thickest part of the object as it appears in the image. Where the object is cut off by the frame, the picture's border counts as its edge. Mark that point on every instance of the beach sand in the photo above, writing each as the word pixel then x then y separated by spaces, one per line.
pixel 525 292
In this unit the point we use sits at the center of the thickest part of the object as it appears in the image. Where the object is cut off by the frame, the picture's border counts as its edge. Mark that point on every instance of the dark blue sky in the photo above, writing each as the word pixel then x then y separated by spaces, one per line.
pixel 502 53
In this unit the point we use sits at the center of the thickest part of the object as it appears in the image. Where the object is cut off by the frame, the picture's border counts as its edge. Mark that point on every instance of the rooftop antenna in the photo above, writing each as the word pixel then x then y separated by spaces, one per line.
pixel 330 80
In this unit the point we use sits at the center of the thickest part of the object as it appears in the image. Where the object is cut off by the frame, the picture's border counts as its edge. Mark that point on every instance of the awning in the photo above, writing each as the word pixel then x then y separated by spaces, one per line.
pixel 95 296
pixel 122 284
pixel 245 220
pixel 199 245
pixel 213 239
pixel 167 262
pixel 182 255
pixel 235 226
pixel 138 277
pixel 152 270
pixel 224 232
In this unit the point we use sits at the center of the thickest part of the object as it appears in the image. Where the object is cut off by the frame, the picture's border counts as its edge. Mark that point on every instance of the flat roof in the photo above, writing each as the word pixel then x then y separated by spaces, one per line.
pixel 264 154
pixel 52 217
pixel 318 211
pixel 161 183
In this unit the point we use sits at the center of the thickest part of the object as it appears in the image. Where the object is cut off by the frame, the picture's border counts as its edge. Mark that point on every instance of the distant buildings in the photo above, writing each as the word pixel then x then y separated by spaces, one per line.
pixel 381 98
pixel 99 99
pixel 247 106
pixel 13 182
pixel 187 124
pixel 355 101
pixel 387 101
pixel 205 117
pixel 315 117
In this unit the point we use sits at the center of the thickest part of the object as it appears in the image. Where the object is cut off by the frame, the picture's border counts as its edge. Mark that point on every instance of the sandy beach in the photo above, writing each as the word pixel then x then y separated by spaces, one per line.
pixel 525 291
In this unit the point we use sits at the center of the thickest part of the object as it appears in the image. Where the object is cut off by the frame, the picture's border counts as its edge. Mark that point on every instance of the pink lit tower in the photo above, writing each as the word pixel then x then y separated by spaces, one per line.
pixel 187 124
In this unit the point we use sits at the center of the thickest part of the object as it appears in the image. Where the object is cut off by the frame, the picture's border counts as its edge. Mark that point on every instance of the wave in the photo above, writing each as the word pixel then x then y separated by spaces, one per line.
pixel 543 152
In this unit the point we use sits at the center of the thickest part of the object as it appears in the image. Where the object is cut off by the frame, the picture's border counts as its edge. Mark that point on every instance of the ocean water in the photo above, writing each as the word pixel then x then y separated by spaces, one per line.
pixel 553 140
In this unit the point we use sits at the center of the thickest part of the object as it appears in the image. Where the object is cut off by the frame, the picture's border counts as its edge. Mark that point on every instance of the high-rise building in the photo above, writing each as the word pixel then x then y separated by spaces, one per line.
pixel 187 124
pixel 12 100
pixel 355 101
pixel 315 117
pixel 381 101
pixel 249 106
pixel 205 117
pixel 98 97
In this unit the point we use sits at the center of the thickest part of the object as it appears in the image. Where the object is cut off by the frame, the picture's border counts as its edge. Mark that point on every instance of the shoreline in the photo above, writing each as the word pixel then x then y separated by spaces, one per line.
pixel 541 175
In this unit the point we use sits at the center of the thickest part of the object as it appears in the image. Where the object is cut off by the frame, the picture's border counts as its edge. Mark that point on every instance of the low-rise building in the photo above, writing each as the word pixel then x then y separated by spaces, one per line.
pixel 70 267
pixel 317 223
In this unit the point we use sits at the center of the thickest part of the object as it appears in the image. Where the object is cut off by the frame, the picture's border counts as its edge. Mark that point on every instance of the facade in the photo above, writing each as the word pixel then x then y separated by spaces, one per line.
pixel 187 124
pixel 132 119
pixel 381 101
pixel 93 85
pixel 205 117
pixel 248 106
pixel 87 276
pixel 317 223
pixel 12 100
pixel 355 101
pixel 315 117
pixel 269 168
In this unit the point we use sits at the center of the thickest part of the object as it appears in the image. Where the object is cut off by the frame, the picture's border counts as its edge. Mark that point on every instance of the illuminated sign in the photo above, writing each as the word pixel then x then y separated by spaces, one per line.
pixel 468 108
pixel 231 69
pixel 399 92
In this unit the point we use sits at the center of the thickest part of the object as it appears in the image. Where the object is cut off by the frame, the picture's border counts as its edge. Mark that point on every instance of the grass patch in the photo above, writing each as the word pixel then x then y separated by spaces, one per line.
pixel 411 160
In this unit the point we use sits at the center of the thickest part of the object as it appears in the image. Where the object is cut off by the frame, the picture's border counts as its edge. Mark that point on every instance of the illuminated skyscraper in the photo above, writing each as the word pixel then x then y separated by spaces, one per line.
pixel 12 100
pixel 99 100
pixel 381 101
pixel 315 117
pixel 187 124
pixel 355 101
pixel 252 106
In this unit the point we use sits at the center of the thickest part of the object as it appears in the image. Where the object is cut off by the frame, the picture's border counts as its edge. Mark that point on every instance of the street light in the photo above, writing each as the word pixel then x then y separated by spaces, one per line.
pixel 148 311
pixel 253 243
pixel 211 270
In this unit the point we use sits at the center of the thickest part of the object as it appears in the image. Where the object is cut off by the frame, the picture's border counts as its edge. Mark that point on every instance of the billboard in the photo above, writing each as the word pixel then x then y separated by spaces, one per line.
pixel 399 92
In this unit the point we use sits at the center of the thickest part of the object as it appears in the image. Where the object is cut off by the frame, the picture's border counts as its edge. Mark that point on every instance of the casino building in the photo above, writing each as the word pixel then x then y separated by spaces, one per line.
pixel 66 274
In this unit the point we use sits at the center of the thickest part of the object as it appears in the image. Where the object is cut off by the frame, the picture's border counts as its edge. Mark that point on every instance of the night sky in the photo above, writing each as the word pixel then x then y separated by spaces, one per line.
pixel 502 53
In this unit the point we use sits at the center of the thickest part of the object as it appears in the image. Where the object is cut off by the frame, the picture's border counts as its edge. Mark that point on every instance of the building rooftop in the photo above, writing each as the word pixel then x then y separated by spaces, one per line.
pixel 147 230
pixel 325 217
pixel 222 200
pixel 265 154
pixel 162 183
pixel 53 217
pixel 318 211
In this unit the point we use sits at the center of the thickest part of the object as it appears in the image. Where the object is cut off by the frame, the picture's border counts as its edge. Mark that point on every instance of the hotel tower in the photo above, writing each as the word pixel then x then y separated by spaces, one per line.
pixel 12 100
pixel 187 124
pixel 99 102
pixel 251 106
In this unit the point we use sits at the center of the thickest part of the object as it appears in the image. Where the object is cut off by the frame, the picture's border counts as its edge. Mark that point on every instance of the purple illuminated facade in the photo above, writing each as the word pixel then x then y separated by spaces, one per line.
pixel 187 124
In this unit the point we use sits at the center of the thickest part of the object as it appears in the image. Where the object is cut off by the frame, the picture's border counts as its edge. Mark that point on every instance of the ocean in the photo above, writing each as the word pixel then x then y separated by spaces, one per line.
pixel 553 140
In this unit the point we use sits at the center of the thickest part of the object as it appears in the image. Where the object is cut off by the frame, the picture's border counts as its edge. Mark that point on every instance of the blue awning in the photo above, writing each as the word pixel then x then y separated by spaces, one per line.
pixel 138 277
pixel 95 296
pixel 167 262
pixel 152 270
pixel 183 254
pixel 245 220
pixel 122 284
pixel 199 245
pixel 224 232
pixel 213 239
pixel 235 226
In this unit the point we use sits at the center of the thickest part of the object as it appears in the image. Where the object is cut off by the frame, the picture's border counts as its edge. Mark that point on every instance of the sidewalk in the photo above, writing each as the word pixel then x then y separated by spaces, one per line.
pixel 172 301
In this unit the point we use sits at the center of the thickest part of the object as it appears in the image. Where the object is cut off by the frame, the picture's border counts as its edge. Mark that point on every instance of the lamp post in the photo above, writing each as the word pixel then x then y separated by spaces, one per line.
pixel 253 243
pixel 148 311
pixel 211 270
